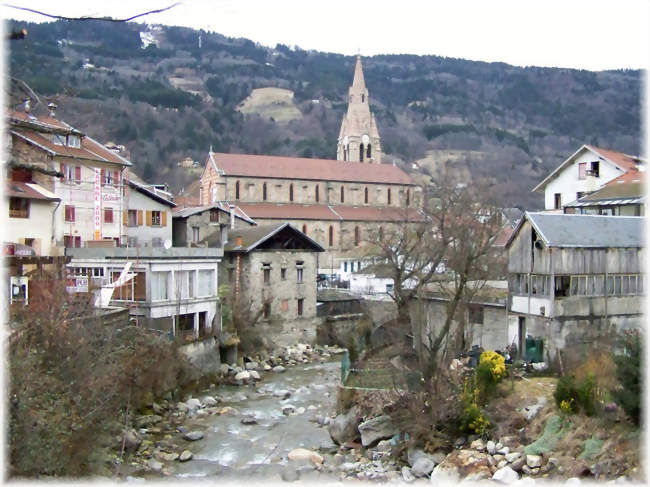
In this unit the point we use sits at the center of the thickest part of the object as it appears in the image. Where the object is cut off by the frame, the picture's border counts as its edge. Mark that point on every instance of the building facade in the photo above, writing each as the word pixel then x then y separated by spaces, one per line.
pixel 148 216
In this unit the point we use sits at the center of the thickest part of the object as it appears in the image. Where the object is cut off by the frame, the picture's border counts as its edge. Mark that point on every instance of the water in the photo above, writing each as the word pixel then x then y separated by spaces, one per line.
pixel 232 450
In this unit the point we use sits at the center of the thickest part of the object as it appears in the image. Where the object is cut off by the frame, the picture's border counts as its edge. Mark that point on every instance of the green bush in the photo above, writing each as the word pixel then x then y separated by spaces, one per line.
pixel 571 396
pixel 628 374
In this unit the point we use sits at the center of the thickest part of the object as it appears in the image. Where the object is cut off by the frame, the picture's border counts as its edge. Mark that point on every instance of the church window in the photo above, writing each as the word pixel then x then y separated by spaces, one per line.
pixel 304 229
pixel 331 236
pixel 408 197
pixel 388 196
pixel 368 151
pixel 342 194
pixel 363 98
pixel 361 153
pixel 237 190
pixel 357 236
pixel 317 194
pixel 264 191
pixel 365 195
pixel 291 192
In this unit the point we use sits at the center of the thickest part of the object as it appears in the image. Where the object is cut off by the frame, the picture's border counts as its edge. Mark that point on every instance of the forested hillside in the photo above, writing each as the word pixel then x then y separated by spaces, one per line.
pixel 175 99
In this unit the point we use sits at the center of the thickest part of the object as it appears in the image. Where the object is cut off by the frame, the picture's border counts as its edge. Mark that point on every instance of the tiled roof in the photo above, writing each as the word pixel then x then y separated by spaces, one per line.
pixel 293 211
pixel 151 193
pixel 369 213
pixel 631 176
pixel 30 191
pixel 307 169
pixel 252 237
pixel 193 210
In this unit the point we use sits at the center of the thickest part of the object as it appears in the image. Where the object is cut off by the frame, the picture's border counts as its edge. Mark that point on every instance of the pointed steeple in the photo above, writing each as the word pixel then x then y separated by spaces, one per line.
pixel 358 82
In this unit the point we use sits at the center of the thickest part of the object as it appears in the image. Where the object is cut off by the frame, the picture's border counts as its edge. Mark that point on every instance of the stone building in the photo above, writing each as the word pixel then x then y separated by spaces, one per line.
pixel 341 204
pixel 201 226
pixel 272 268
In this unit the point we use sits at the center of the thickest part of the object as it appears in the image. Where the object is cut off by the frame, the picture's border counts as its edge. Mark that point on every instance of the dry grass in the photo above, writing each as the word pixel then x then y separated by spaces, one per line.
pixel 276 103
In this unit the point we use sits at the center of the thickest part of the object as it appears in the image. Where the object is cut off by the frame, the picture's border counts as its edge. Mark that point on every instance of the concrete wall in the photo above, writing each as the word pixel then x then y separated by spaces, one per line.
pixel 203 354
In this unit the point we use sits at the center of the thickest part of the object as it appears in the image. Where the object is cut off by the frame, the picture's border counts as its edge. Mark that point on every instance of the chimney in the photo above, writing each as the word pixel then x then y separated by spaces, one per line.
pixel 232 216
pixel 52 106
pixel 27 103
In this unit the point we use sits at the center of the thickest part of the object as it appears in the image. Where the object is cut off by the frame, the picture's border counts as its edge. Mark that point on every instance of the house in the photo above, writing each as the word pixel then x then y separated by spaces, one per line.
pixel 624 195
pixel 574 279
pixel 147 217
pixel 196 226
pixel 88 182
pixel 171 290
pixel 272 268
pixel 374 279
pixel 585 171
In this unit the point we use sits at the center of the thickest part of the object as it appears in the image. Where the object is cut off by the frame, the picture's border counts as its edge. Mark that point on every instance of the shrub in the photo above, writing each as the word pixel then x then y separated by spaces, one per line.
pixel 489 372
pixel 628 374
pixel 571 395
pixel 471 418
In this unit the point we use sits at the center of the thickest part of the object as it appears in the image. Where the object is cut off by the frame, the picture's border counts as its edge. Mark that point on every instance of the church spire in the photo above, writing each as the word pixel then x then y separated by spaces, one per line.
pixel 359 137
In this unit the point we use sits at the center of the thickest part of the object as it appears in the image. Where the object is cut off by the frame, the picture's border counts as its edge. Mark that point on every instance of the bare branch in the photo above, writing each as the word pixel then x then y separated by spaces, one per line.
pixel 105 19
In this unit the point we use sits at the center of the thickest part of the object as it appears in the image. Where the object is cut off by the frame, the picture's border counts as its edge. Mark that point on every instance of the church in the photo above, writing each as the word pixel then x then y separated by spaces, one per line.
pixel 341 204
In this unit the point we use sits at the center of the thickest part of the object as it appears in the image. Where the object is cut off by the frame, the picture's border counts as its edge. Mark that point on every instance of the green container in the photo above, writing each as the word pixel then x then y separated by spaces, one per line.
pixel 534 350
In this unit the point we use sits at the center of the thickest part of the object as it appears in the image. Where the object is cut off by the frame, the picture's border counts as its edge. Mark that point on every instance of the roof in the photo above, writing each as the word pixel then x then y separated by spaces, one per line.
pixel 151 193
pixel 379 270
pixel 585 231
pixel 281 167
pixel 253 237
pixel 295 211
pixel 623 161
pixel 30 191
pixel 36 130
pixel 194 210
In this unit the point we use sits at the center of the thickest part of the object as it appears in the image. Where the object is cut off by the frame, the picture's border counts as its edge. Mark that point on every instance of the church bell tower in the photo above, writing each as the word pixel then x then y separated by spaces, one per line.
pixel 359 138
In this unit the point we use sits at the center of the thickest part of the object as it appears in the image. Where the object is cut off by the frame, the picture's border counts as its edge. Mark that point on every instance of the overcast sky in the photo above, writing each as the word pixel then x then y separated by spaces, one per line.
pixel 585 34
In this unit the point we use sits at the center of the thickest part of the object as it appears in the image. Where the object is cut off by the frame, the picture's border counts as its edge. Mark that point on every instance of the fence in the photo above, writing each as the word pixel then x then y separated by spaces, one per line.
pixel 379 374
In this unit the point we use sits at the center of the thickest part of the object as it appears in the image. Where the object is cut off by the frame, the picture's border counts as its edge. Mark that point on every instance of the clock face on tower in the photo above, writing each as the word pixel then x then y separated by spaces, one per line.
pixel 365 139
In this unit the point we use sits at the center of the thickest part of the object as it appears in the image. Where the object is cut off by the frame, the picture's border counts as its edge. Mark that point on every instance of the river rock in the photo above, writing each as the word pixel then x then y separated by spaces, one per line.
pixel 503 450
pixel 491 447
pixel 223 369
pixel 311 407
pixel 304 454
pixel 502 463
pixel 228 410
pixel 283 393
pixel 344 426
pixel 511 457
pixel 185 456
pixel 478 445
pixel 465 464
pixel 244 375
pixel 300 410
pixel 533 461
pixel 182 407
pixel 519 463
pixel 249 419
pixel 170 457
pixel 255 375
pixel 505 475
pixel 148 420
pixel 423 466
pixel 375 429
pixel 193 404
pixel 288 409
pixel 193 435
pixel 279 368
pixel 209 401
pixel 154 465
pixel 407 475
pixel 251 365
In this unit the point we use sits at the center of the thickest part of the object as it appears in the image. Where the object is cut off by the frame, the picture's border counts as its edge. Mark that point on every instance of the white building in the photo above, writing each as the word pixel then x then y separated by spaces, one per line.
pixel 587 170
pixel 148 216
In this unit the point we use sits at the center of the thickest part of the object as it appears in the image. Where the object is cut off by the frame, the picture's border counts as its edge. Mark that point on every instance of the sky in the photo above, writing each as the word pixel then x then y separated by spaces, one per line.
pixel 582 34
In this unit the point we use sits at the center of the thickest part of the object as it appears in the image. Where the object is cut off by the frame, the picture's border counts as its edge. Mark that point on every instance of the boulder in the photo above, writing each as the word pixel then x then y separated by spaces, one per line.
pixel 193 435
pixel 148 420
pixel 223 369
pixel 423 466
pixel 209 401
pixel 505 475
pixel 462 464
pixel 533 461
pixel 132 440
pixel 344 427
pixel 283 393
pixel 279 368
pixel 503 450
pixel 300 410
pixel 375 429
pixel 478 445
pixel 290 474
pixel 304 454
pixel 491 447
pixel 185 456
pixel 407 475
pixel 254 374
pixel 193 404
pixel 519 463
pixel 266 367
pixel 227 410
pixel 502 464
pixel 249 419
pixel 251 365
pixel 288 409
pixel 170 457
pixel 438 457
pixel 244 375
pixel 460 441
pixel 511 457
pixel 384 446
pixel 155 465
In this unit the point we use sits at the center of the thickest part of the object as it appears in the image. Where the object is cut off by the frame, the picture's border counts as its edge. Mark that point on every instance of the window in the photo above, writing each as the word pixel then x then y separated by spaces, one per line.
pixel 266 271
pixel 304 229
pixel 74 141
pixel 69 213
pixel 363 98
pixel 237 190
pixel 301 302
pixel 299 269
pixel 264 191
pixel 331 236
pixel 267 310
pixel 214 216
pixel 284 305
pixel 291 192
pixel 132 218
pixel 408 197
pixel 562 285
pixel 365 195
pixel 595 169
pixel 184 284
pixel 368 152
pixel 357 236
pixel 361 153
pixel 475 314
pixel 345 266
pixel 155 218
pixel 580 194
pixel 58 139
pixel 109 178
pixel 108 215
pixel 18 208
pixel 206 283
pixel 283 273
pixel 317 194
pixel 388 196
pixel 195 234
pixel 582 170
pixel 159 286
pixel 342 194
pixel 70 241
pixel 558 201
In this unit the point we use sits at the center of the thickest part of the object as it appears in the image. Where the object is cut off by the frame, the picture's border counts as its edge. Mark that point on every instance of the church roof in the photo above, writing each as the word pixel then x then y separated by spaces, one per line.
pixel 281 167
pixel 358 81
pixel 294 211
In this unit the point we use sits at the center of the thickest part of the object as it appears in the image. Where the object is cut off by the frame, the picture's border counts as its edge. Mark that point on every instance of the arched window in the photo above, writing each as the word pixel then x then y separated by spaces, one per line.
pixel 237 190
pixel 368 151
pixel 345 153
pixel 363 98
pixel 342 194
pixel 264 191
pixel 357 236
pixel 291 192
pixel 304 229
pixel 365 195
pixel 408 197
pixel 317 194
pixel 388 196
pixel 361 153
pixel 331 236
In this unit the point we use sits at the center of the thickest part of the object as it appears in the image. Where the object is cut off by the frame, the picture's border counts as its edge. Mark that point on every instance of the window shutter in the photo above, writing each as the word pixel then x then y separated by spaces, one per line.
pixel 164 218
pixel 116 178
pixel 148 218
pixel 62 169
pixel 125 217
pixel 77 174
pixel 139 217
pixel 103 176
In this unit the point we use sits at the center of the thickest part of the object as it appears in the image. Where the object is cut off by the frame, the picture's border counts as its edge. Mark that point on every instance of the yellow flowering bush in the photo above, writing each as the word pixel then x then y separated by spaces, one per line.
pixel 496 364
